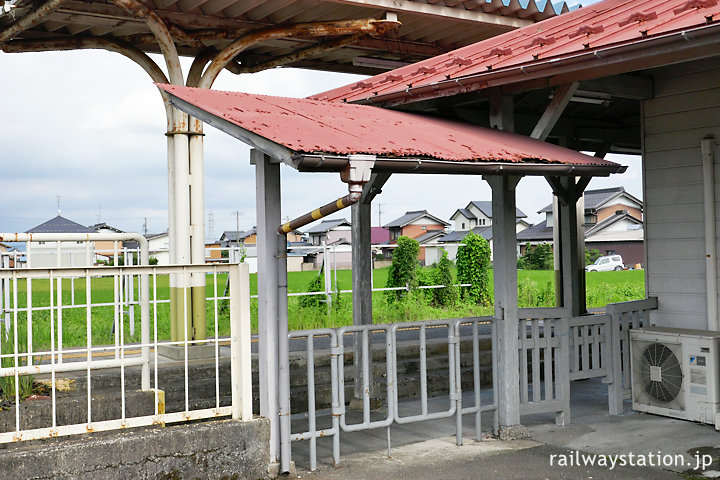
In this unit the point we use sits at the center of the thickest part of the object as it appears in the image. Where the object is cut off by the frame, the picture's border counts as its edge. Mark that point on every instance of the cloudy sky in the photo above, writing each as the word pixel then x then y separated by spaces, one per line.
pixel 88 127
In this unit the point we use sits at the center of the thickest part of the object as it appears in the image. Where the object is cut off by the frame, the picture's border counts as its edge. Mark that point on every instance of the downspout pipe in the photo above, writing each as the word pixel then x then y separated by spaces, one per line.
pixel 707 147
pixel 356 174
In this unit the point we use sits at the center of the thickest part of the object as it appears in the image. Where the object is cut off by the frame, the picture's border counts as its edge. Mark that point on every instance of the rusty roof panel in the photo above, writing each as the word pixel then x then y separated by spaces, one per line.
pixel 317 127
pixel 610 23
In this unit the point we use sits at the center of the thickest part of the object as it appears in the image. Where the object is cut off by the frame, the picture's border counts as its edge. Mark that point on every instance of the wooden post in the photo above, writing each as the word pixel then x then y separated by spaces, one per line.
pixel 362 269
pixel 361 283
pixel 501 112
pixel 569 237
pixel 615 386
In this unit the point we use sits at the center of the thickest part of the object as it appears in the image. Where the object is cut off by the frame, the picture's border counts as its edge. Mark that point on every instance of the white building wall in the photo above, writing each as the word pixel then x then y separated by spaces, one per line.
pixel 685 109
pixel 72 254
pixel 621 200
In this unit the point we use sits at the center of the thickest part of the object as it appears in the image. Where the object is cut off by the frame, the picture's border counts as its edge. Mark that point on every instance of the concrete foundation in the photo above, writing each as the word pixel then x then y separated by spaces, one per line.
pixel 222 449
pixel 195 352
pixel 513 432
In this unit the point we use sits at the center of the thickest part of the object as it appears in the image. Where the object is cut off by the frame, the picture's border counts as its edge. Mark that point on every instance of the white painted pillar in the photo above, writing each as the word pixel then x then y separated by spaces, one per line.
pixel 197 226
pixel 506 307
pixel 267 175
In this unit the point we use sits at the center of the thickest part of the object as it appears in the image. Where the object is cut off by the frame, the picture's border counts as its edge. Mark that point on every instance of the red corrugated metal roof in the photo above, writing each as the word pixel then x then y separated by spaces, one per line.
pixel 317 127
pixel 588 30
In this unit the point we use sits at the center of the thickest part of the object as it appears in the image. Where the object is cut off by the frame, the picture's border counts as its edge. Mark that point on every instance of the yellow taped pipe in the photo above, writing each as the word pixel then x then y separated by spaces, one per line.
pixel 318 213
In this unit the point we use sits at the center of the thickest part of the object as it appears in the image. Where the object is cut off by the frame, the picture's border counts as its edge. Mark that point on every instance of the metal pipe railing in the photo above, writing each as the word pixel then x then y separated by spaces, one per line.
pixel 94 358
pixel 336 353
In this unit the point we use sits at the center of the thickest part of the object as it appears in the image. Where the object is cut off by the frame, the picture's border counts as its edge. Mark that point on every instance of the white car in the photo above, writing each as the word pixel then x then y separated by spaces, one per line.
pixel 607 263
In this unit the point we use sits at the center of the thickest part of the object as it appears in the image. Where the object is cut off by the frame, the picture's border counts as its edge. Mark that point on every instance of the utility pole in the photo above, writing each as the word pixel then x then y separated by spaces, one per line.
pixel 211 225
pixel 58 204
pixel 145 227
pixel 237 228
pixel 380 205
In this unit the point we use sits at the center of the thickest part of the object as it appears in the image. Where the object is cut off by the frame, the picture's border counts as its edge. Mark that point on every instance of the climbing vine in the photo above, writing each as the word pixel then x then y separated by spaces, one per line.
pixel 403 270
pixel 443 275
pixel 473 266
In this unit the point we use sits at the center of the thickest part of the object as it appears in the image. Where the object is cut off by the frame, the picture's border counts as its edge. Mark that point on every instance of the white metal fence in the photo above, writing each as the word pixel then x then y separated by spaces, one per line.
pixel 47 315
pixel 446 404
pixel 553 350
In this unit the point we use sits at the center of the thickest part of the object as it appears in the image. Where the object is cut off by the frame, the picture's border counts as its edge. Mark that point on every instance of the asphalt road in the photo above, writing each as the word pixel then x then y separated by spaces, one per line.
pixel 298 344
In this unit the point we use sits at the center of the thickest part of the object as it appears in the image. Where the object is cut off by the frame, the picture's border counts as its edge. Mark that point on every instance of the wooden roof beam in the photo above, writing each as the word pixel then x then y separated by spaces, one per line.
pixel 303 53
pixel 30 20
pixel 553 111
pixel 439 11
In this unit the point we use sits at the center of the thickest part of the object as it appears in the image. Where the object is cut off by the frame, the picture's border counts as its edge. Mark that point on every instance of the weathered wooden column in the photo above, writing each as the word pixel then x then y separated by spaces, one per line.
pixel 362 270
pixel 361 263
pixel 361 286
pixel 506 305
pixel 569 240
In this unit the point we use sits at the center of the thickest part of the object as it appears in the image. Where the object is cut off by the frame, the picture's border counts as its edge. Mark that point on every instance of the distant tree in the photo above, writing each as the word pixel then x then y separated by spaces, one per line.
pixel 591 256
pixel 538 257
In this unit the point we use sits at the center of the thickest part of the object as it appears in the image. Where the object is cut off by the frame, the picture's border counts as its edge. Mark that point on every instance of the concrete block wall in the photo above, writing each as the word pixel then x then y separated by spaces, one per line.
pixel 222 449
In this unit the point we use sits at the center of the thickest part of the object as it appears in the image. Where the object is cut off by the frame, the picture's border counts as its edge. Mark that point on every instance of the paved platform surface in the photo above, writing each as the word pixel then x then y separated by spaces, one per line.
pixel 427 450
pixel 492 459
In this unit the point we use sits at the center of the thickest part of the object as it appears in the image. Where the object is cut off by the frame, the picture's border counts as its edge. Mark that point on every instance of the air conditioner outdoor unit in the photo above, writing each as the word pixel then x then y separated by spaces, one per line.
pixel 675 372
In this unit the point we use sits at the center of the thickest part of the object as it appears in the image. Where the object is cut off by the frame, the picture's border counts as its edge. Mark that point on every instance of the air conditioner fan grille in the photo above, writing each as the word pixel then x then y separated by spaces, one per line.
pixel 669 385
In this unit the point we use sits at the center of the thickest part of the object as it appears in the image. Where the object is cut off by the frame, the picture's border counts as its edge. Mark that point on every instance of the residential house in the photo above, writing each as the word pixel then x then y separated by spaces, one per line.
pixel 479 214
pixel 379 235
pixel 329 231
pixel 476 217
pixel 603 203
pixel 451 242
pixel 339 255
pixel 59 254
pixel 12 256
pixel 613 225
pixel 9 256
pixel 420 225
pixel 232 237
pixel 620 234
pixel 414 224
pixel 158 245
pixel 106 248
pixel 429 251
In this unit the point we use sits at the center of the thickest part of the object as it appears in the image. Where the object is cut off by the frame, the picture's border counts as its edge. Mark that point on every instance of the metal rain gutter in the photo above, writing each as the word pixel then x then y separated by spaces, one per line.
pixel 333 163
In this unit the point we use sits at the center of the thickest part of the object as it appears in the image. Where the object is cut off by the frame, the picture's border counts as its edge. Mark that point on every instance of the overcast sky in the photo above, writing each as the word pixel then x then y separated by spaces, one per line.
pixel 89 127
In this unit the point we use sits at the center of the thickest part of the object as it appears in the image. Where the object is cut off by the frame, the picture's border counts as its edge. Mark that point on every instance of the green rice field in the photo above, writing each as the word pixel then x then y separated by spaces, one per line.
pixel 535 289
